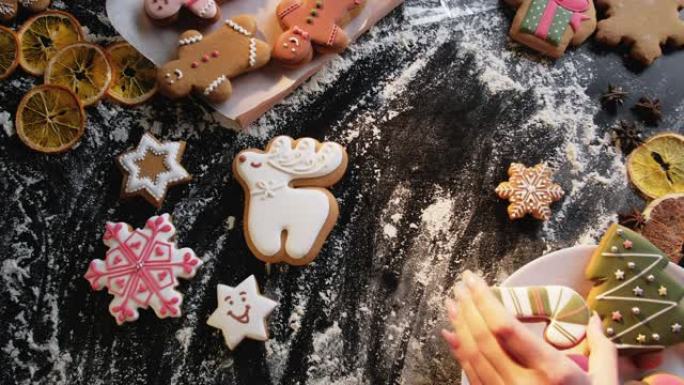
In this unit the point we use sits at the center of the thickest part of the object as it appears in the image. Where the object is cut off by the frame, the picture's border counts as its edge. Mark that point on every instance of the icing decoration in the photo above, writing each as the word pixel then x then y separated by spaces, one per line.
pixel 209 62
pixel 530 191
pixel 619 274
pixel 283 222
pixel 152 167
pixel 645 310
pixel 548 19
pixel 631 265
pixel 627 244
pixel 676 328
pixel 191 40
pixel 241 312
pixel 309 23
pixel 616 316
pixel 562 308
pixel 169 9
pixel 141 267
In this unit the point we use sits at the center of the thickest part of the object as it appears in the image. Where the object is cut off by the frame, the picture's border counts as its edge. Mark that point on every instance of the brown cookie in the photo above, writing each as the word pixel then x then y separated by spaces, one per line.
pixel 288 211
pixel 664 225
pixel 152 168
pixel 166 11
pixel 8 8
pixel 645 25
pixel 309 23
pixel 549 26
pixel 206 64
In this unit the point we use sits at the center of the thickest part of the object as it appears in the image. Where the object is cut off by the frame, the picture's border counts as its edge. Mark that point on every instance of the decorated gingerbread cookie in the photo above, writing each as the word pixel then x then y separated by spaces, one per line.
pixel 562 308
pixel 166 11
pixel 549 26
pixel 530 191
pixel 152 168
pixel 645 25
pixel 241 312
pixel 9 8
pixel 288 211
pixel 206 64
pixel 141 267
pixel 309 23
pixel 641 304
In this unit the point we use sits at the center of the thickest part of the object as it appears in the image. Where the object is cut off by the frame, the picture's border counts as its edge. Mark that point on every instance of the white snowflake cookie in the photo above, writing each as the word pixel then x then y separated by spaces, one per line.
pixel 141 267
pixel 242 312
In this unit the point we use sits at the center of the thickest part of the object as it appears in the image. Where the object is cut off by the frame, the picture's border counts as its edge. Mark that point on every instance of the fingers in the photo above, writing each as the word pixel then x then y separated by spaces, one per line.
pixel 515 338
pixel 453 343
pixel 470 373
pixel 468 350
pixel 603 361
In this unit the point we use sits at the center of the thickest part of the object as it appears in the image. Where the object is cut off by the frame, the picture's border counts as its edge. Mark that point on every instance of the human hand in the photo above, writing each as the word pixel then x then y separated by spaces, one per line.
pixel 494 348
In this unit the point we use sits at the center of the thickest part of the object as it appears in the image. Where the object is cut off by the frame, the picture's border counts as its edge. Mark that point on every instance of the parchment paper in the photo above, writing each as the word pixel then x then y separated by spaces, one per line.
pixel 253 93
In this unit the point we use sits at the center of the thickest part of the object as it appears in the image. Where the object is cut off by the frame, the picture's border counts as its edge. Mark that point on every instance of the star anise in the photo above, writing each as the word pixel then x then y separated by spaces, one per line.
pixel 649 110
pixel 634 219
pixel 614 97
pixel 627 135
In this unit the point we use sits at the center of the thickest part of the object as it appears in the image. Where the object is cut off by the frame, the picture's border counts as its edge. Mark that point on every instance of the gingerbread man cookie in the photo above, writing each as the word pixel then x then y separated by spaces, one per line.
pixel 549 26
pixel 311 22
pixel 646 25
pixel 283 221
pixel 166 11
pixel 8 8
pixel 207 63
pixel 562 308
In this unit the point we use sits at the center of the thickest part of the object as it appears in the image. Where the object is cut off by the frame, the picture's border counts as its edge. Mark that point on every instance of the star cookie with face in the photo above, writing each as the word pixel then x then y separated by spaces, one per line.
pixel 242 312
pixel 151 168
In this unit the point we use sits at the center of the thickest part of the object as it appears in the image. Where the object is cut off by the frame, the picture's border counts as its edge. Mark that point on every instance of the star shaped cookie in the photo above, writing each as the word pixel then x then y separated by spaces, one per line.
pixel 530 191
pixel 151 168
pixel 242 312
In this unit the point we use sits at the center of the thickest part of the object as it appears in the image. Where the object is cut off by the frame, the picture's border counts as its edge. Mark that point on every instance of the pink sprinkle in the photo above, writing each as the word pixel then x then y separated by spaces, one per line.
pixel 215 53
pixel 194 64
pixel 627 244
pixel 205 58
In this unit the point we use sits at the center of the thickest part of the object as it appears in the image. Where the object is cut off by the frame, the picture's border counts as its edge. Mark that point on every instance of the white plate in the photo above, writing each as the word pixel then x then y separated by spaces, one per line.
pixel 566 267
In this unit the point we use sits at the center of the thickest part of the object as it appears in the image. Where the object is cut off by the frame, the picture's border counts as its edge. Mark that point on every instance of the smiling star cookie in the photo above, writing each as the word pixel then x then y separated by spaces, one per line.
pixel 241 312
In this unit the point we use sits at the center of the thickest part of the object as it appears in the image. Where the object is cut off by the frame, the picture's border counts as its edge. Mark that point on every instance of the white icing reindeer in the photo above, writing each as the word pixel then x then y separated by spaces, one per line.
pixel 288 212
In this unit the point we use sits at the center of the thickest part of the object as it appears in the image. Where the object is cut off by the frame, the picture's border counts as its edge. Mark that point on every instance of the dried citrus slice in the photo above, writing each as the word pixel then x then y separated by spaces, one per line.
pixel 9 52
pixel 42 36
pixel 657 167
pixel 50 119
pixel 135 77
pixel 83 68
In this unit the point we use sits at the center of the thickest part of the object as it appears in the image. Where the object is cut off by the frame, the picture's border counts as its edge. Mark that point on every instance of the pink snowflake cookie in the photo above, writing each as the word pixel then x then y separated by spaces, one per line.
pixel 141 267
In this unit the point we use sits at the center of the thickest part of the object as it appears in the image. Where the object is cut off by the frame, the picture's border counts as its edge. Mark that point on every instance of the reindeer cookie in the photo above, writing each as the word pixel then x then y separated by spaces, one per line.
pixel 8 8
pixel 549 26
pixel 166 11
pixel 207 63
pixel 288 211
pixel 311 22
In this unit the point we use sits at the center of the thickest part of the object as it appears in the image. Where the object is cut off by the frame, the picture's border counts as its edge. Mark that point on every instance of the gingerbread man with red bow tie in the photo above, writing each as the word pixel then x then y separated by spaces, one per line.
pixel 308 24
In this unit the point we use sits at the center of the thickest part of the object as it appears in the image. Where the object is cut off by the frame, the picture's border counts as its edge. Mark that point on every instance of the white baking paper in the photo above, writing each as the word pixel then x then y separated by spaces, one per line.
pixel 253 93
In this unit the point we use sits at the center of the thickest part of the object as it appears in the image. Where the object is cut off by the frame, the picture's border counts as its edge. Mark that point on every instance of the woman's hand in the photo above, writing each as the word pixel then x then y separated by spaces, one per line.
pixel 494 348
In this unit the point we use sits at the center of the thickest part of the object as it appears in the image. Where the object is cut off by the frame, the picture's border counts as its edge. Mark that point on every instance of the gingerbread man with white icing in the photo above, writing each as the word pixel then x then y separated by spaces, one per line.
pixel 166 11
pixel 311 22
pixel 288 211
pixel 207 63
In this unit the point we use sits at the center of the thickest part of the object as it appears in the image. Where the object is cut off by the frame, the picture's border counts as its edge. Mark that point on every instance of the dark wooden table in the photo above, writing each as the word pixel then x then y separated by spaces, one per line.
pixel 433 104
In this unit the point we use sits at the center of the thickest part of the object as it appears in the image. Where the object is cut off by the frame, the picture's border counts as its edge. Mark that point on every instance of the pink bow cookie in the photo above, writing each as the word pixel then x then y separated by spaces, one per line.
pixel 169 9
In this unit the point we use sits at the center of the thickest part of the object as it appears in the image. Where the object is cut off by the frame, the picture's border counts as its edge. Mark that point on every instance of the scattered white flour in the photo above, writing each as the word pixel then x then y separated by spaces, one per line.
pixel 7 123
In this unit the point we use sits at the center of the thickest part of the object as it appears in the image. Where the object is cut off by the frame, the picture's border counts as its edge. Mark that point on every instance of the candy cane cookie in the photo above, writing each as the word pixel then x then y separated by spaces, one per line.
pixel 563 309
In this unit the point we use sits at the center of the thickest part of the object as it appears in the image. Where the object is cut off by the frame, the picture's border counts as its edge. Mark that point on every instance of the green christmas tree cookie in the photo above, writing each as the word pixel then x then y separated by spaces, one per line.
pixel 641 305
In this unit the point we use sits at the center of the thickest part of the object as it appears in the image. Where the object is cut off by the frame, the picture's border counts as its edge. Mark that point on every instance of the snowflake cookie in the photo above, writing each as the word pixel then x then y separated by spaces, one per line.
pixel 140 269
pixel 646 25
pixel 242 312
pixel 530 191
pixel 151 168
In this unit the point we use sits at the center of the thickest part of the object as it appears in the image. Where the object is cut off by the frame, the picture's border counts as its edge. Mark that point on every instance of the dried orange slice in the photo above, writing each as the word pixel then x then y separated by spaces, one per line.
pixel 50 119
pixel 42 36
pixel 135 77
pixel 9 52
pixel 83 68
pixel 656 167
